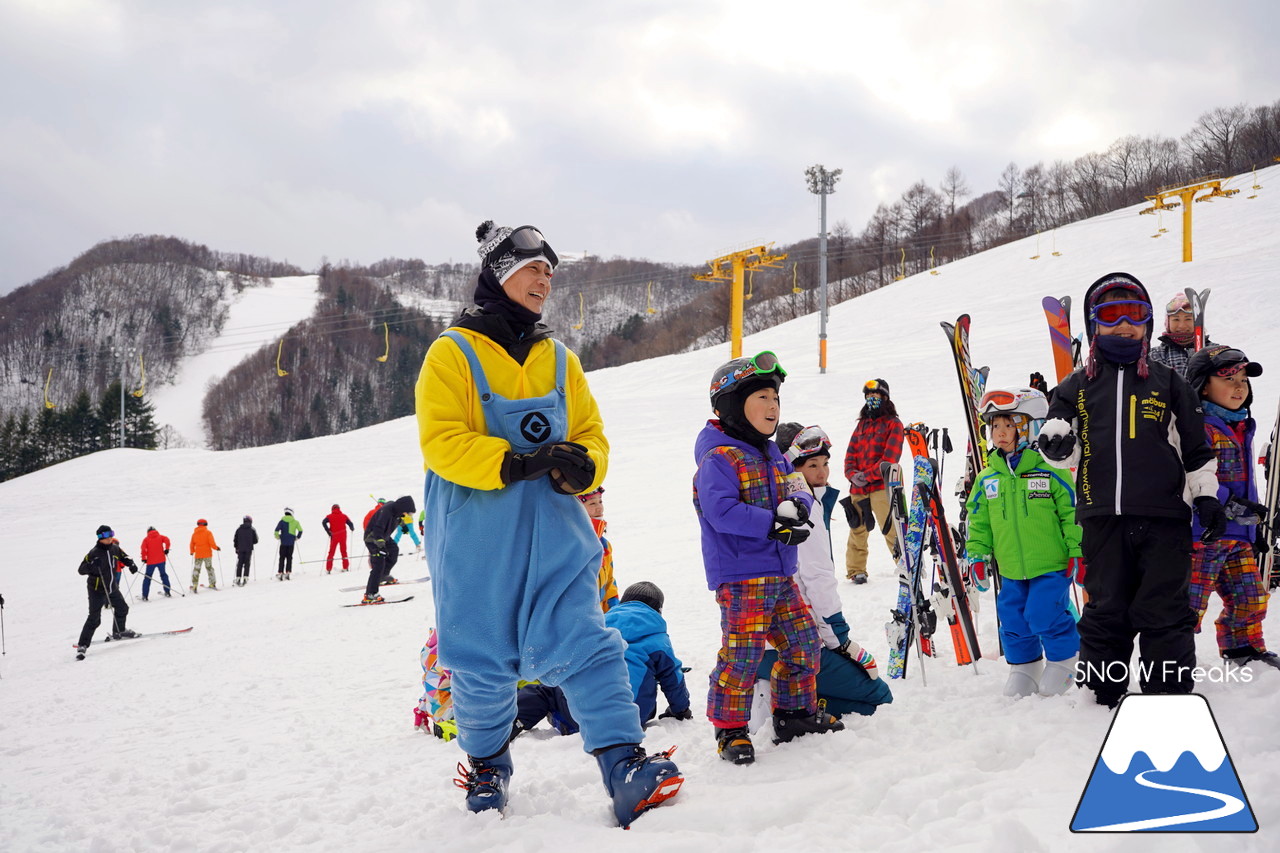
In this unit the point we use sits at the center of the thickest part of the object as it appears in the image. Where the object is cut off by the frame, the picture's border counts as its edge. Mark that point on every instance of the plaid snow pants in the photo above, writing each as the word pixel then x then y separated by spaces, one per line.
pixel 751 613
pixel 1229 568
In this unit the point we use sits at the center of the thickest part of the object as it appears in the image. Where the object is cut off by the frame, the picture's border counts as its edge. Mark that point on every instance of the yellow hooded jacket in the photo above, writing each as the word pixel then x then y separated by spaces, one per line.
pixel 451 425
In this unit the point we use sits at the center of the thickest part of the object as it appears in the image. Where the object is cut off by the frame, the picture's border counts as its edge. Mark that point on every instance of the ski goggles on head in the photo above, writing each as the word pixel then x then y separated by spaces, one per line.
pixel 997 401
pixel 1228 361
pixel 107 534
pixel 527 241
pixel 808 441
pixel 1133 311
pixel 586 496
pixel 875 386
pixel 1177 305
pixel 760 364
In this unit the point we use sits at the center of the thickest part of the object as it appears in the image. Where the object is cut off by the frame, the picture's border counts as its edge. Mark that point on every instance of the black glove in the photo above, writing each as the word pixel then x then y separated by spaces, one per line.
pixel 1244 511
pixel 531 466
pixel 1057 448
pixel 788 531
pixel 1212 517
pixel 868 517
pixel 686 714
pixel 1037 382
pixel 133 568
pixel 166 552
pixel 574 475
pixel 851 515
pixel 1 601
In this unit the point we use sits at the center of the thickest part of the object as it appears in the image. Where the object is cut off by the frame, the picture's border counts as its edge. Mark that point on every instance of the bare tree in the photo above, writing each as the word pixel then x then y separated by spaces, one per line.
pixel 1010 185
pixel 1213 144
pixel 954 187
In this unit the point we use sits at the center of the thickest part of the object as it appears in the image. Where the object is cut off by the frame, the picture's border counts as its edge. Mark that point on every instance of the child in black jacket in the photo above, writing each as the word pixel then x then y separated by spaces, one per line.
pixel 1136 430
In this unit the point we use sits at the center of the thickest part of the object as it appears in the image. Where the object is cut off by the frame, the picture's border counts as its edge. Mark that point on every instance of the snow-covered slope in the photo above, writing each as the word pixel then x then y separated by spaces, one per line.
pixel 257 316
pixel 283 722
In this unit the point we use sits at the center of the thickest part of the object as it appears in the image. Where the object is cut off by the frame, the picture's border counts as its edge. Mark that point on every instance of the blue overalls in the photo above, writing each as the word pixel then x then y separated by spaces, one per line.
pixel 514 574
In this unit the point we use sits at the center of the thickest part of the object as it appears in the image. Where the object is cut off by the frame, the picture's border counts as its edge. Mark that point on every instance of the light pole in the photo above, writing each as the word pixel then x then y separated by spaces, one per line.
pixel 822 183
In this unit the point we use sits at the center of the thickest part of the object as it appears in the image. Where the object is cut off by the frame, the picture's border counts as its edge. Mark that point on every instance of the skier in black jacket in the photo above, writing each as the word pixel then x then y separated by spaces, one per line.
pixel 243 541
pixel 383 551
pixel 1136 430
pixel 99 566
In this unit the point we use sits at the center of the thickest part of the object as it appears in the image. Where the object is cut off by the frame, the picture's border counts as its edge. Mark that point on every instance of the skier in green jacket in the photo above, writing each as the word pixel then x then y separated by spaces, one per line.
pixel 1022 513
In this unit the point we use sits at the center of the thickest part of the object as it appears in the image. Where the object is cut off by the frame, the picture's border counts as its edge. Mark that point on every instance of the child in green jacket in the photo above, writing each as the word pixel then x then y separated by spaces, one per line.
pixel 1022 514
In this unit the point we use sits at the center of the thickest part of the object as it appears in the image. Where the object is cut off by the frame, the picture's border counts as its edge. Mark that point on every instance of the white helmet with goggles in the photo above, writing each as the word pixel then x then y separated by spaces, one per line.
pixel 1026 407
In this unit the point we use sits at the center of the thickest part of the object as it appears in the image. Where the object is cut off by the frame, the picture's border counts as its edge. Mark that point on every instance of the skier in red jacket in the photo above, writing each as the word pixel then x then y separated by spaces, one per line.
pixel 154 553
pixel 336 524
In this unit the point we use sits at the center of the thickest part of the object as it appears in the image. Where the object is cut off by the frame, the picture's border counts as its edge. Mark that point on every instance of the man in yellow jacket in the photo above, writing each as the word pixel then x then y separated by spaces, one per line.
pixel 510 434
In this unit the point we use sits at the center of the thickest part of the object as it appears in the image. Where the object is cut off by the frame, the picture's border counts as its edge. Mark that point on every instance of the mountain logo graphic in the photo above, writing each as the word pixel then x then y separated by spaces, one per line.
pixel 1164 767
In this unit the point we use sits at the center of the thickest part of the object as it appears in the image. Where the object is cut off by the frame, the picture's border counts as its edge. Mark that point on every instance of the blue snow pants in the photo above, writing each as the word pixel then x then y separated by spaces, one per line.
pixel 1036 620
pixel 514 574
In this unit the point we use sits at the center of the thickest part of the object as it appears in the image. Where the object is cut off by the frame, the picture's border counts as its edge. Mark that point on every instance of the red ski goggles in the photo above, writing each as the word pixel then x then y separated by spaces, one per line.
pixel 1133 311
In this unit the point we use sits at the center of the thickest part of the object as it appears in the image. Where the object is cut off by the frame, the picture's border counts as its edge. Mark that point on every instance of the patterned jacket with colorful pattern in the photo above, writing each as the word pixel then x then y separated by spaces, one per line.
pixel 1233 445
pixel 736 491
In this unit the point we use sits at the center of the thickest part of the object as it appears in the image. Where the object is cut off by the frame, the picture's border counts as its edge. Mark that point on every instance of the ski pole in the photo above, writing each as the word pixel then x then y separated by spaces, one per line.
pixel 128 587
pixel 4 649
pixel 221 578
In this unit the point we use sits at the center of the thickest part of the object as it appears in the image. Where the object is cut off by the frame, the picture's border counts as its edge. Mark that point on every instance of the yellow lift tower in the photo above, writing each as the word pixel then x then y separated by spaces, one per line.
pixel 731 267
pixel 1187 194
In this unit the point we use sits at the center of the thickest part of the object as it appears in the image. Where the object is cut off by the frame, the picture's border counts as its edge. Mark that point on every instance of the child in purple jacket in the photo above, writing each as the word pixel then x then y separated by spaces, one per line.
pixel 1220 375
pixel 753 510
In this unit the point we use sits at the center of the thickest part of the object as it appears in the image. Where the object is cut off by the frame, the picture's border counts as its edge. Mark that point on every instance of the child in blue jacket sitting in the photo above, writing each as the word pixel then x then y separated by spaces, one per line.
pixel 651 662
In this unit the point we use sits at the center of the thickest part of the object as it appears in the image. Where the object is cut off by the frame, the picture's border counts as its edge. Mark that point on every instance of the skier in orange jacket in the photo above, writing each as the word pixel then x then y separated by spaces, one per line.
pixel 202 548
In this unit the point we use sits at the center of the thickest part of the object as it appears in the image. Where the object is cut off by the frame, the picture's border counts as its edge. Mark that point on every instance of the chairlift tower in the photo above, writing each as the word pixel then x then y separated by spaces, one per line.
pixel 1186 194
pixel 731 268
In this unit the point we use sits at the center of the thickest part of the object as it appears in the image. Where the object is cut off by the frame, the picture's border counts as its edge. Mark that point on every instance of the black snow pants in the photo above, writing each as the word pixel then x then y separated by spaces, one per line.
pixel 380 563
pixel 286 559
pixel 1138 575
pixel 97 600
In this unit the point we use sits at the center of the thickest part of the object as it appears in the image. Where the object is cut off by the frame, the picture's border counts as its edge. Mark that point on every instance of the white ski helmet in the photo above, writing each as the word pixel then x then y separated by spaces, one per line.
pixel 1027 407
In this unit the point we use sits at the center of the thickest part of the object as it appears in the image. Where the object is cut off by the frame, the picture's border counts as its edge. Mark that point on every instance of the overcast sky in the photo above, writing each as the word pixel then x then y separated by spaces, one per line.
pixel 668 130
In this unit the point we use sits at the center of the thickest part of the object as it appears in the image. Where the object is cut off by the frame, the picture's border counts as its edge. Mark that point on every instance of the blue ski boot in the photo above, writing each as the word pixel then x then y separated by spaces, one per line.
pixel 486 781
pixel 637 782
